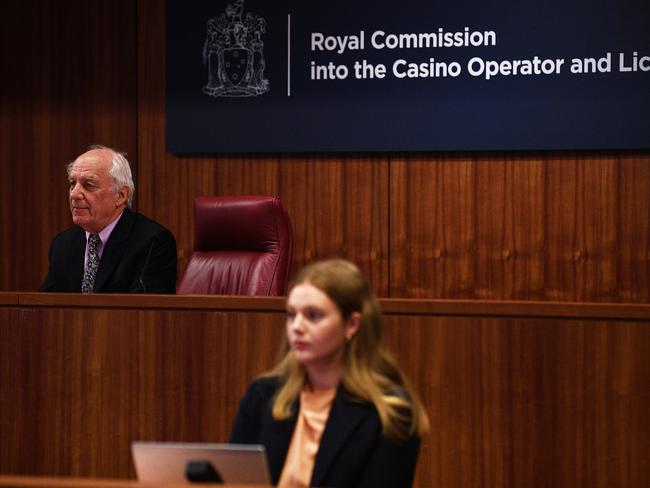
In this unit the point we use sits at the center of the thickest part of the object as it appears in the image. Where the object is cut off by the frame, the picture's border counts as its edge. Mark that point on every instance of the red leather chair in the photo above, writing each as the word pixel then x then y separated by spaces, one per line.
pixel 243 245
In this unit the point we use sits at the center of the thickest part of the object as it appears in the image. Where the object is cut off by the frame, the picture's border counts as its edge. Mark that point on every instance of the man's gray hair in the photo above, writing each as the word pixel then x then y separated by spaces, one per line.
pixel 120 171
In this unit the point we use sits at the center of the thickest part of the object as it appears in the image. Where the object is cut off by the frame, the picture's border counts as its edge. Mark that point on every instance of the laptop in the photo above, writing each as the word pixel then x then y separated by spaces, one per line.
pixel 166 462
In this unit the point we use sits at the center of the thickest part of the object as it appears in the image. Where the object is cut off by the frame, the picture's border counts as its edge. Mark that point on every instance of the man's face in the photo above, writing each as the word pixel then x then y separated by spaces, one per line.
pixel 94 202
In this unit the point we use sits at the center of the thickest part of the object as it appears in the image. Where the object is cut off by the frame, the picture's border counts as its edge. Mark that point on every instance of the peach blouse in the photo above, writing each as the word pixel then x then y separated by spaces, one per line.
pixel 314 409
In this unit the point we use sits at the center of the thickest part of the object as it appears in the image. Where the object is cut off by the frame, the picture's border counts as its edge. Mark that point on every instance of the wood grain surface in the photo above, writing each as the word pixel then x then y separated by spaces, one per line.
pixel 518 227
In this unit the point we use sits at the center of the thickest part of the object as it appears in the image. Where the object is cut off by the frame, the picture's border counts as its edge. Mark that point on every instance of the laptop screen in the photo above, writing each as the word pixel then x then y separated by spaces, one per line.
pixel 166 462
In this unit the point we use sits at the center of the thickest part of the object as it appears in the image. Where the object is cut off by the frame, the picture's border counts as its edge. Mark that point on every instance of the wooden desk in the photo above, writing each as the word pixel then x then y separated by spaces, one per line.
pixel 51 482
pixel 519 393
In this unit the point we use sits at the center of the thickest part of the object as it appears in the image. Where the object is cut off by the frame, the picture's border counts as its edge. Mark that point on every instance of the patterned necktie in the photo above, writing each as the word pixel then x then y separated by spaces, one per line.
pixel 88 282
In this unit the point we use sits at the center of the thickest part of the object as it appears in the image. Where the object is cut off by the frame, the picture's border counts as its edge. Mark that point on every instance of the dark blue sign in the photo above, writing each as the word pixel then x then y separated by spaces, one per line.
pixel 333 75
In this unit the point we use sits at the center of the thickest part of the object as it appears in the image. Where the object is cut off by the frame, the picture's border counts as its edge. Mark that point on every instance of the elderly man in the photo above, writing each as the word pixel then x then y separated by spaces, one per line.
pixel 110 249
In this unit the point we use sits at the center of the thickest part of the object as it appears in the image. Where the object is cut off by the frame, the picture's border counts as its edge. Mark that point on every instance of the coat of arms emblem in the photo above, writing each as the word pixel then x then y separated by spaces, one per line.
pixel 234 54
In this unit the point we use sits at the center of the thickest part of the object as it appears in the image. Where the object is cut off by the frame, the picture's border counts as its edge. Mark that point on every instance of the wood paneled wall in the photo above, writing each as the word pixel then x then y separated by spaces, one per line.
pixel 530 226
pixel 553 227
pixel 517 395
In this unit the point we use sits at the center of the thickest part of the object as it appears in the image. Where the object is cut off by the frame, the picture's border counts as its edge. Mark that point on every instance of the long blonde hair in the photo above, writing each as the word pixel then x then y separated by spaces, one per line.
pixel 370 371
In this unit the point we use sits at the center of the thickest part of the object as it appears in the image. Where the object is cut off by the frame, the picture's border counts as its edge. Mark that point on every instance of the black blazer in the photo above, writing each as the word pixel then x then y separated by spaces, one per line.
pixel 134 240
pixel 352 452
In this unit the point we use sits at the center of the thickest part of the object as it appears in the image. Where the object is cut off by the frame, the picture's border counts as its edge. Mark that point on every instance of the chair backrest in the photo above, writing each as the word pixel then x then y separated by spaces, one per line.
pixel 243 245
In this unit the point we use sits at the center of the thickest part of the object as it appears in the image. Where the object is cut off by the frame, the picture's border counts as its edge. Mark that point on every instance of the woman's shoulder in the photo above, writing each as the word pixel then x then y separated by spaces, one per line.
pixel 394 393
pixel 263 387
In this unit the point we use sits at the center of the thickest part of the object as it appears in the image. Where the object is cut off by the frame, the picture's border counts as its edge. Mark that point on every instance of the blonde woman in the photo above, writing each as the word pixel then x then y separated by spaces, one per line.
pixel 336 411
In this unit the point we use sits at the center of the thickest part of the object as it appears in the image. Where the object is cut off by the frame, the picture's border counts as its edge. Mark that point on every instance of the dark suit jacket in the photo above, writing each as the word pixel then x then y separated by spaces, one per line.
pixel 134 241
pixel 352 452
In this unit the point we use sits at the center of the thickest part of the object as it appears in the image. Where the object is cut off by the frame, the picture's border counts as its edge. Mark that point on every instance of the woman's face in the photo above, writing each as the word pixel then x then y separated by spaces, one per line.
pixel 315 329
